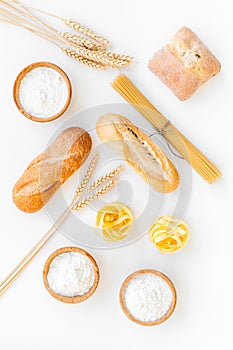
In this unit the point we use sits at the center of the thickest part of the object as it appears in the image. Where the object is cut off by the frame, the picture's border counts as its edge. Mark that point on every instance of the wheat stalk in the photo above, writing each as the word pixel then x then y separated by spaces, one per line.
pixel 86 31
pixel 25 14
pixel 96 195
pixel 91 53
pixel 72 24
pixel 106 177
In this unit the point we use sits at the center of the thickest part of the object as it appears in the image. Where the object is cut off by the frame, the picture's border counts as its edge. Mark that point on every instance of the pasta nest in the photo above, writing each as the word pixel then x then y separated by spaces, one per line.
pixel 169 234
pixel 114 221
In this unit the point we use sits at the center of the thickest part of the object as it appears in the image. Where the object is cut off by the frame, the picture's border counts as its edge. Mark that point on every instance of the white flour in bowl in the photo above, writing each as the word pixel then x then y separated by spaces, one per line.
pixel 43 92
pixel 71 274
pixel 148 297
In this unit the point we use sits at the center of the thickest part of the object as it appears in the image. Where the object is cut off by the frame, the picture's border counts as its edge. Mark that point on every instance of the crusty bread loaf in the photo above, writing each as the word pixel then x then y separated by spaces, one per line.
pixel 184 64
pixel 139 150
pixel 47 172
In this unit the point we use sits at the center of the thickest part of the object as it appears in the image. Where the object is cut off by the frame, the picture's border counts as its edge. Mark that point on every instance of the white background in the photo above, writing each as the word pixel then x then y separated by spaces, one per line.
pixel 202 272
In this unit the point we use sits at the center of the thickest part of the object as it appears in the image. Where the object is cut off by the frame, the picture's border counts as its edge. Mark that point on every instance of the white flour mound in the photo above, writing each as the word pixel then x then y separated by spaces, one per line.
pixel 43 92
pixel 71 274
pixel 148 297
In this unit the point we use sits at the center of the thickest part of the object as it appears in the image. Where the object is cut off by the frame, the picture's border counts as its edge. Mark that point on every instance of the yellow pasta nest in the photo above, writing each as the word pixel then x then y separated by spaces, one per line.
pixel 114 221
pixel 169 234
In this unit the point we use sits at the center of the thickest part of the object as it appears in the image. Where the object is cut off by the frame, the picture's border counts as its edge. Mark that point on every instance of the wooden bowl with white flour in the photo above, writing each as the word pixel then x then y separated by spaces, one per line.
pixel 71 275
pixel 42 92
pixel 147 297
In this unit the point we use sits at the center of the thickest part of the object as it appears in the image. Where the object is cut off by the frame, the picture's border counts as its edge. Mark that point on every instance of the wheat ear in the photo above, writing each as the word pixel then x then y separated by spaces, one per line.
pixel 83 42
pixel 96 195
pixel 81 59
pixel 126 58
pixel 102 57
pixel 86 31
pixel 86 178
pixel 106 177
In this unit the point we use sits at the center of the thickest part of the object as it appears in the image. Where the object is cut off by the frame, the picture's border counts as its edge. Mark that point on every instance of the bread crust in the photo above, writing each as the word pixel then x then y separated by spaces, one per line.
pixel 139 150
pixel 48 171
pixel 184 64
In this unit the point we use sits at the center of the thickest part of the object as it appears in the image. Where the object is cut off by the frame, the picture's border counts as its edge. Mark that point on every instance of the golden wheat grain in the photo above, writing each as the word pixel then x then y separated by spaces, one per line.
pixel 126 58
pixel 101 57
pixel 86 178
pixel 96 195
pixel 83 60
pixel 95 52
pixel 80 41
pixel 86 31
pixel 106 177
pixel 119 60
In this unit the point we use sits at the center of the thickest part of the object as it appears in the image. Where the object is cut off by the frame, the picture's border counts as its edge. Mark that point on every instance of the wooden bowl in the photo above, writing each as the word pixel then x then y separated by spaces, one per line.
pixel 122 297
pixel 78 298
pixel 16 89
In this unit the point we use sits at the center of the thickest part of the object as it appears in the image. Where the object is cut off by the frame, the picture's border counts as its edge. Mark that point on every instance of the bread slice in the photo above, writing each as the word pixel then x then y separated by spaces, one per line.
pixel 139 150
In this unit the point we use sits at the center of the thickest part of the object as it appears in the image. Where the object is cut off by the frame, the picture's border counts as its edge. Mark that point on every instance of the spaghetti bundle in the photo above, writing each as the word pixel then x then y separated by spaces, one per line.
pixel 125 87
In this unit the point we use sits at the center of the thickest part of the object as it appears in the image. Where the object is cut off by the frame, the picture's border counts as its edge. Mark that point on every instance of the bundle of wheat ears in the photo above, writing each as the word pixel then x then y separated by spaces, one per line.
pixel 86 47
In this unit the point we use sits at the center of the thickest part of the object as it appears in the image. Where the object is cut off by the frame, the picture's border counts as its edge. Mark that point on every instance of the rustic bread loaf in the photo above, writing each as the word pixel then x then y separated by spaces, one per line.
pixel 184 64
pixel 47 172
pixel 139 150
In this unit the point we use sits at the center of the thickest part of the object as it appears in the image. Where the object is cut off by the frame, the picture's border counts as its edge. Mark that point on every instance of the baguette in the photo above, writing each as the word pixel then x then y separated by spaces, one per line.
pixel 47 172
pixel 139 150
